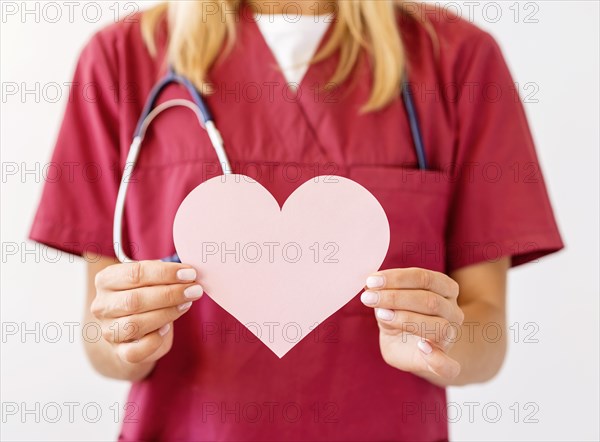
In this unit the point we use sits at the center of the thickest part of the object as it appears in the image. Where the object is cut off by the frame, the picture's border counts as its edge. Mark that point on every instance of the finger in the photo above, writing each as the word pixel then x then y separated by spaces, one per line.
pixel 135 327
pixel 143 273
pixel 414 278
pixel 144 299
pixel 438 362
pixel 163 349
pixel 418 301
pixel 143 349
pixel 432 328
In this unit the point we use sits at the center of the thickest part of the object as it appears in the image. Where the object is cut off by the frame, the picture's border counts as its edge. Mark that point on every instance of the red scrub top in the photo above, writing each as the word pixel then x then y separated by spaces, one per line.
pixel 483 197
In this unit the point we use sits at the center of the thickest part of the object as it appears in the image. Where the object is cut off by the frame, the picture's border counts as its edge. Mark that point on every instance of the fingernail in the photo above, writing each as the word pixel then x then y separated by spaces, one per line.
pixel 374 282
pixel 184 307
pixel 384 314
pixel 424 346
pixel 369 298
pixel 193 292
pixel 164 329
pixel 186 274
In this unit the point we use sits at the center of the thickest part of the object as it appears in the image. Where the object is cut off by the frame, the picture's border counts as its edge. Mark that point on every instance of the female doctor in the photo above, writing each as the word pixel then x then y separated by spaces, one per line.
pixel 298 91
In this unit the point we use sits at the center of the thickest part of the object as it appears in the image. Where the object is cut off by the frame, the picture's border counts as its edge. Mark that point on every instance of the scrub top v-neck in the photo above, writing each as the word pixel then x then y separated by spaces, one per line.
pixel 483 197
pixel 293 41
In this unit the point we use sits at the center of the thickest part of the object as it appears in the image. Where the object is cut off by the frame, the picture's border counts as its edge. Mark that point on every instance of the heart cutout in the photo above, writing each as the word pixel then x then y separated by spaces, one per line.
pixel 281 271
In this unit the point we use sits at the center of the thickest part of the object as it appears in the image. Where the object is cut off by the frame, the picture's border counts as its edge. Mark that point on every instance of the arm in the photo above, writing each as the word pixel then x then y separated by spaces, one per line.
pixel 483 301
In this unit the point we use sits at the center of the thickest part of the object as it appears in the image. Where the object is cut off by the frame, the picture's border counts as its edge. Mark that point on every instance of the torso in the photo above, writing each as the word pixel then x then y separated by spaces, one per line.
pixel 218 382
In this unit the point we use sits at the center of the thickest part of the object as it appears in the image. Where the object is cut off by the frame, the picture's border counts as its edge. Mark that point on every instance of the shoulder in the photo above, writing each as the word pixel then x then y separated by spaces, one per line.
pixel 445 35
pixel 118 43
pixel 454 28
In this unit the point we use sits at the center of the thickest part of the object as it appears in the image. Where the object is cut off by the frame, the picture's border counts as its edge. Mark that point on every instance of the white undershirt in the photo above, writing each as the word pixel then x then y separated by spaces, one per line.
pixel 293 40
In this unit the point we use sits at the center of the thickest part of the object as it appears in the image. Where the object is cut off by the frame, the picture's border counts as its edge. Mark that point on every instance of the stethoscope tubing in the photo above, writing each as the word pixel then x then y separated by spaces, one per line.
pixel 205 119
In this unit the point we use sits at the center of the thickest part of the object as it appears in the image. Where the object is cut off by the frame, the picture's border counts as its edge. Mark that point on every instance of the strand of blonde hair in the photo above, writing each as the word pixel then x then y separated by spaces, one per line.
pixel 200 30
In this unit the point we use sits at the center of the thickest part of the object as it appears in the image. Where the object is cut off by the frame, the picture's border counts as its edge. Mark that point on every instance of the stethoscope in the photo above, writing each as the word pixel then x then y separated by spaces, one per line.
pixel 206 120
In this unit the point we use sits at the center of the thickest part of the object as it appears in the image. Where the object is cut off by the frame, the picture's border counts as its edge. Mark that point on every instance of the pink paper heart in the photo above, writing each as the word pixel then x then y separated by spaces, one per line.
pixel 281 272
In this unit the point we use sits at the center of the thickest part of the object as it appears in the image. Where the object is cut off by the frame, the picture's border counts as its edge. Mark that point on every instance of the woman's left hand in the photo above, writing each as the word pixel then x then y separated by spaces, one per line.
pixel 419 320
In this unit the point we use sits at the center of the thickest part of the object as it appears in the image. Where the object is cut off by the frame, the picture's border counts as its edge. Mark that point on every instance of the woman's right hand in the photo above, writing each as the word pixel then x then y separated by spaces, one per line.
pixel 136 304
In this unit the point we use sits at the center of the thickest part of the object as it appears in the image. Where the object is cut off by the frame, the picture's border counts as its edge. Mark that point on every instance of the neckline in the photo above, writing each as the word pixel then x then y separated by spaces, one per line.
pixel 299 17
pixel 249 16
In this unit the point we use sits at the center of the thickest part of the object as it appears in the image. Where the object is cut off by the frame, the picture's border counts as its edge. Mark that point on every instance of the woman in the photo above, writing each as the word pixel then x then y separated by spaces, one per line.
pixel 377 368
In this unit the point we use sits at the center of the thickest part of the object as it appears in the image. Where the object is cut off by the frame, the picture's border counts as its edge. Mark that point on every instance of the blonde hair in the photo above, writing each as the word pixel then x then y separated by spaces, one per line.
pixel 200 30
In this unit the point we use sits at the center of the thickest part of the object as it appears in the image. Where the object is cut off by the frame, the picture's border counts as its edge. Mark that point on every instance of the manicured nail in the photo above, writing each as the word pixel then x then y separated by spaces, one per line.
pixel 184 307
pixel 376 281
pixel 164 329
pixel 384 314
pixel 424 346
pixel 369 298
pixel 186 275
pixel 193 292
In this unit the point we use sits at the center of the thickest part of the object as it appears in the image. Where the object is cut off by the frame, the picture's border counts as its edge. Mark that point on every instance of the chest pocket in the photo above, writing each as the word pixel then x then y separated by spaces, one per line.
pixel 416 203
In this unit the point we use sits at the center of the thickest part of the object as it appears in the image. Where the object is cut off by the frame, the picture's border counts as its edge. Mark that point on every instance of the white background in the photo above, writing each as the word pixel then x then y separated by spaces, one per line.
pixel 553 381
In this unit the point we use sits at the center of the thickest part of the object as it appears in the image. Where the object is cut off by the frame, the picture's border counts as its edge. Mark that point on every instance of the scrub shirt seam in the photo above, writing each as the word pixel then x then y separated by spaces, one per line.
pixel 512 236
pixel 550 244
pixel 41 228
pixel 233 162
